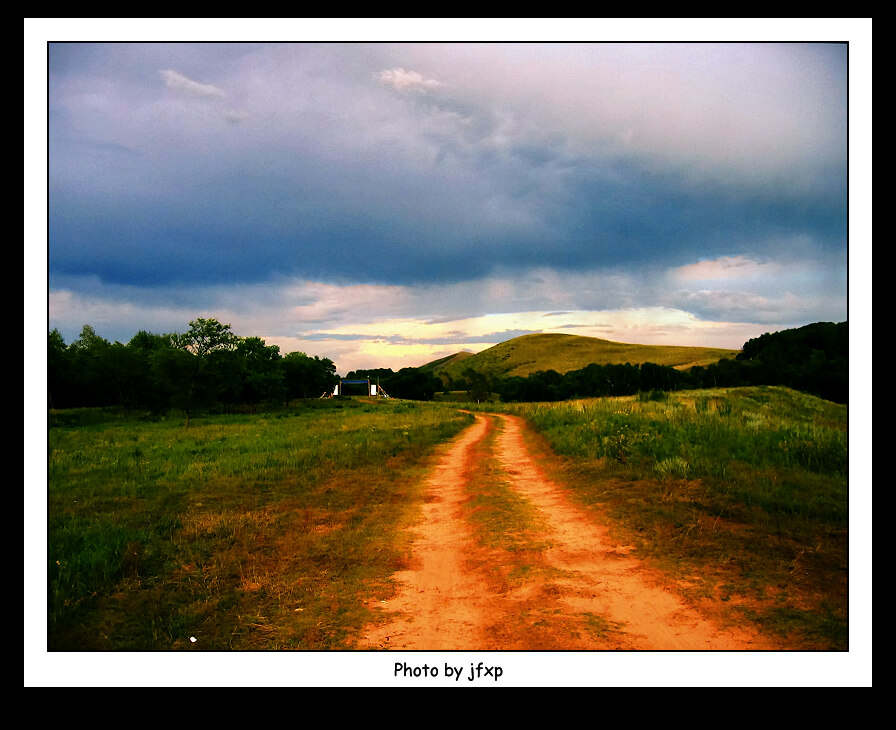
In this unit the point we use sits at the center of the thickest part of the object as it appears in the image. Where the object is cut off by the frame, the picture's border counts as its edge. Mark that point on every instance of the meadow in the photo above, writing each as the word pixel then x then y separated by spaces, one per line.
pixel 267 531
pixel 738 495
pixel 281 530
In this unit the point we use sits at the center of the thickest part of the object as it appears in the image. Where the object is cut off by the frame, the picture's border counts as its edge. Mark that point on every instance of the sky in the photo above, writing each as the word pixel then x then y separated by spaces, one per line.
pixel 384 204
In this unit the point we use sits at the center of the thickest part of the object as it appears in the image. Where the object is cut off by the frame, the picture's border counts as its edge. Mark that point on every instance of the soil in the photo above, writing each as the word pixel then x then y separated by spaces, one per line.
pixel 581 592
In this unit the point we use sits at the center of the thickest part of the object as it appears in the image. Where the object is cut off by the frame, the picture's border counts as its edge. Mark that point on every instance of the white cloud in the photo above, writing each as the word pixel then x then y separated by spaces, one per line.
pixel 391 342
pixel 739 288
pixel 111 316
pixel 726 267
pixel 332 303
pixel 178 81
pixel 403 80
pixel 755 111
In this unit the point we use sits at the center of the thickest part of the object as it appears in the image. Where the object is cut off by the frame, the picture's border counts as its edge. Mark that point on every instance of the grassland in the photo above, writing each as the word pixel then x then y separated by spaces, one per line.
pixel 242 532
pixel 525 355
pixel 738 495
pixel 436 365
pixel 280 530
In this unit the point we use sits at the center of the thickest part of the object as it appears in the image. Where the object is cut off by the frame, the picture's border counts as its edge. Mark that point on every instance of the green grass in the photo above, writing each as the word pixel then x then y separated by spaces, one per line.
pixel 599 627
pixel 279 530
pixel 740 494
pixel 502 519
pixel 244 532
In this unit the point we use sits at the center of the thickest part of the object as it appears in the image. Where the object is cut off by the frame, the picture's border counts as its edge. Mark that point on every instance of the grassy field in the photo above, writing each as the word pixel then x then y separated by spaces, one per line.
pixel 240 532
pixel 280 530
pixel 737 494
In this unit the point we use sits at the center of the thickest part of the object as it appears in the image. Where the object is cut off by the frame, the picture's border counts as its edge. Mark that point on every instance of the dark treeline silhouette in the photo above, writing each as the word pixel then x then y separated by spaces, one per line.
pixel 207 367
pixel 812 359
pixel 410 383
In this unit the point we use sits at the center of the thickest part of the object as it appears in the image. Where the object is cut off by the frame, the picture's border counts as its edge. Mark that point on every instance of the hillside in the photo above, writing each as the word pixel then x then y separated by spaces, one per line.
pixel 562 353
pixel 441 363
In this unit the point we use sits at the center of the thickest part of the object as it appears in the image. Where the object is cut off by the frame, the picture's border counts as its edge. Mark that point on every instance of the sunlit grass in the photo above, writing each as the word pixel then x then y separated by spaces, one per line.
pixel 743 488
pixel 238 532
pixel 525 355
pixel 280 530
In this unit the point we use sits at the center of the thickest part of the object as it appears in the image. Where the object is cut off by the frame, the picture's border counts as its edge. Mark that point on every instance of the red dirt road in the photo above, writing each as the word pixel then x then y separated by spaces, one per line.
pixel 578 591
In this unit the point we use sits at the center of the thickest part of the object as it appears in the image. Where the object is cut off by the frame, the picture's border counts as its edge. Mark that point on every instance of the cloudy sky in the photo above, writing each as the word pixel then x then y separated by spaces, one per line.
pixel 385 204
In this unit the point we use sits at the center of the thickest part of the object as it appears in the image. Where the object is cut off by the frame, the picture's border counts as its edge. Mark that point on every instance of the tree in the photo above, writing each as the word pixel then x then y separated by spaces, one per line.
pixel 263 378
pixel 89 340
pixel 89 370
pixel 193 382
pixel 206 366
pixel 659 377
pixel 307 377
pixel 413 384
pixel 147 342
pixel 143 347
pixel 176 375
pixel 478 385
pixel 545 385
pixel 206 336
pixel 58 371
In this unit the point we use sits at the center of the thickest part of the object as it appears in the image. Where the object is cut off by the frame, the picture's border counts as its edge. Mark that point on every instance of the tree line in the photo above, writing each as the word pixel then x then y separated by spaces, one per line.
pixel 206 367
pixel 210 367
pixel 410 383
pixel 812 359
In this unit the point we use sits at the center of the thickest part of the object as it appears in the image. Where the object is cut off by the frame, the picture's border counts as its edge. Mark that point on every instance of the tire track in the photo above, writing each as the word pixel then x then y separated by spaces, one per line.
pixel 598 578
pixel 440 604
pixel 582 591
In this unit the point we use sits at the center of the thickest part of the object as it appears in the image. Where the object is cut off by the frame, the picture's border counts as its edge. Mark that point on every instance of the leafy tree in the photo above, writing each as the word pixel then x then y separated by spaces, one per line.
pixel 592 381
pixel 307 377
pixel 89 341
pixel 58 371
pixel 263 378
pixel 222 378
pixel 193 382
pixel 126 373
pixel 147 342
pixel 143 347
pixel 413 384
pixel 552 385
pixel 90 370
pixel 206 336
pixel 813 359
pixel 659 377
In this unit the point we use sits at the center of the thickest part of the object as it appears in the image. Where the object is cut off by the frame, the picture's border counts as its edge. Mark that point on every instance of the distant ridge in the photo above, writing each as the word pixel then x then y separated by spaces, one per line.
pixel 528 354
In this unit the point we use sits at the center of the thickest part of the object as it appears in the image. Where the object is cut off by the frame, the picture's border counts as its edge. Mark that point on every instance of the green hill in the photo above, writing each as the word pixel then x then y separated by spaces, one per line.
pixel 441 363
pixel 528 354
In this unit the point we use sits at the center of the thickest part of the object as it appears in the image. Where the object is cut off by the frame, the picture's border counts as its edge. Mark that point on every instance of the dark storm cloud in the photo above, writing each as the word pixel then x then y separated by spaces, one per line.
pixel 480 178
pixel 298 216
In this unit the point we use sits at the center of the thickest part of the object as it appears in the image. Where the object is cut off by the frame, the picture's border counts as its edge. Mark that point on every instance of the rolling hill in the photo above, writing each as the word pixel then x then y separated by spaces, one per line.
pixel 436 365
pixel 528 354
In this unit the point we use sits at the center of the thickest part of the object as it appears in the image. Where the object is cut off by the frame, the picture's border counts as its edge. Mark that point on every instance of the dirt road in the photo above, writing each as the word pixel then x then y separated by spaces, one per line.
pixel 578 591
